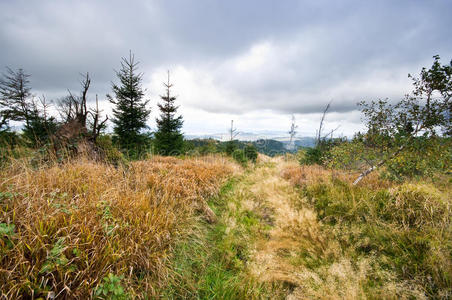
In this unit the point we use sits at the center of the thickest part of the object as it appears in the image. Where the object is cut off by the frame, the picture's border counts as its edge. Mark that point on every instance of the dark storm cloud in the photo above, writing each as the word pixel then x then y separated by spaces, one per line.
pixel 313 51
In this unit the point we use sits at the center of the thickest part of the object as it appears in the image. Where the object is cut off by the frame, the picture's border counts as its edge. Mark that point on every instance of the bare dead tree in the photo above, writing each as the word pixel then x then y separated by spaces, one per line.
pixel 292 133
pixel 233 131
pixel 74 111
pixel 319 132
pixel 96 126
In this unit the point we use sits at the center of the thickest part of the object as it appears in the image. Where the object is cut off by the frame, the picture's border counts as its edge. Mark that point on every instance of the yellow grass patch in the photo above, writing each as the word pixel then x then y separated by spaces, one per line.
pixel 67 226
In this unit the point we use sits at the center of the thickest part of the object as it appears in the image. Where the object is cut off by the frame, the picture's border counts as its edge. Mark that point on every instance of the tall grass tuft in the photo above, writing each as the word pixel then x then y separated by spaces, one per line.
pixel 84 229
pixel 401 233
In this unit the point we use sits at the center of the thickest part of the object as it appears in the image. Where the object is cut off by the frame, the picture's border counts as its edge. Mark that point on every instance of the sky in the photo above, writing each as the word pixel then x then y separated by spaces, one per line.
pixel 257 62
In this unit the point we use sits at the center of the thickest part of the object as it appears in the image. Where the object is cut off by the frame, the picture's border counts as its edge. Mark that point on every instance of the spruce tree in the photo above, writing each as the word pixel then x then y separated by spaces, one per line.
pixel 15 97
pixel 168 138
pixel 130 112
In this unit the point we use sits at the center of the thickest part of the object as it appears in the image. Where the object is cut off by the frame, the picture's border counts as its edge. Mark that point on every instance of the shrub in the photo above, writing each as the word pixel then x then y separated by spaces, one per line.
pixel 110 152
pixel 403 230
pixel 312 156
pixel 239 156
pixel 231 147
pixel 250 152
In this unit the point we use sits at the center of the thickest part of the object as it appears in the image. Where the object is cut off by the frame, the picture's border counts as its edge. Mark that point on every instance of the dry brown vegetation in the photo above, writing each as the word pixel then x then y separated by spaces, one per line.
pixel 66 227
pixel 377 240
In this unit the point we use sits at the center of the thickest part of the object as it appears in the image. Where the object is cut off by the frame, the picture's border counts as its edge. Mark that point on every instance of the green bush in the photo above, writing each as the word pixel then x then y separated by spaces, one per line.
pixel 250 152
pixel 312 156
pixel 240 157
pixel 110 152
pixel 231 147
pixel 423 157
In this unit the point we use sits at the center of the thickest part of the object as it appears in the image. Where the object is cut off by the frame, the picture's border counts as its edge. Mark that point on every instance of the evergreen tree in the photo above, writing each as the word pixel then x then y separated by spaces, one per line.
pixel 18 104
pixel 168 138
pixel 15 97
pixel 130 112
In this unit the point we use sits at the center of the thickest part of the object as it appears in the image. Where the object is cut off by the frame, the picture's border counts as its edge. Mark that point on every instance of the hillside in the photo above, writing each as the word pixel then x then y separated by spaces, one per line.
pixel 205 227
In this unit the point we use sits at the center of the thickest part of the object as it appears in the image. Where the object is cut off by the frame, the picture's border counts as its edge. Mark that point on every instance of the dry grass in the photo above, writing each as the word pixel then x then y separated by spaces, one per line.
pixel 311 174
pixel 376 240
pixel 65 227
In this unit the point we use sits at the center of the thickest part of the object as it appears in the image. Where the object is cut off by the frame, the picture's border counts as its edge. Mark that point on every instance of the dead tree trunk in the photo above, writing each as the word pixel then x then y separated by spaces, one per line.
pixel 382 162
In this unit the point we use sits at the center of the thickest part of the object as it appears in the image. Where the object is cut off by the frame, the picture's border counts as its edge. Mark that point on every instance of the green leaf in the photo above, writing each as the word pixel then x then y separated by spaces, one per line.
pixel 7 229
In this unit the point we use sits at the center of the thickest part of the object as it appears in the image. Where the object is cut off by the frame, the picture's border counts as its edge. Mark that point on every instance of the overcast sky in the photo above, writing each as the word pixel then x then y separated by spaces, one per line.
pixel 257 62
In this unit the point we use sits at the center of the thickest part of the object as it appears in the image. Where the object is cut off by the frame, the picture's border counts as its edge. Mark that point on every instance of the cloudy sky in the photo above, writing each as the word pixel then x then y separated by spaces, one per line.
pixel 257 62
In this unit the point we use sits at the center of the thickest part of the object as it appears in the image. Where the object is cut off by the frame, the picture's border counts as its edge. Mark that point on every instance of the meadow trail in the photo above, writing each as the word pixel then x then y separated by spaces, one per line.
pixel 273 199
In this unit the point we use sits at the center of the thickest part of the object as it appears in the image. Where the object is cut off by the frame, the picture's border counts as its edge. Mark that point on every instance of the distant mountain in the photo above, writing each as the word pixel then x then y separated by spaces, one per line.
pixel 279 136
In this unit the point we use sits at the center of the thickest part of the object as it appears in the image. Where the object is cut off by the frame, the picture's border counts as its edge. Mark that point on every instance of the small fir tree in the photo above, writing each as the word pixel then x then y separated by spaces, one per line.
pixel 130 112
pixel 168 138
pixel 15 97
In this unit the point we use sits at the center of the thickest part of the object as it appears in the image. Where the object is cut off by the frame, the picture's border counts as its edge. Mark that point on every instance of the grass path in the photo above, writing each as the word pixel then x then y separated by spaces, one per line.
pixel 269 243
pixel 250 253
pixel 273 260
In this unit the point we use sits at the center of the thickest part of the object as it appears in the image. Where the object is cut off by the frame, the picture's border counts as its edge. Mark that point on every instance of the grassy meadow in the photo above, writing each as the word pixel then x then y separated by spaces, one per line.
pixel 380 239
pixel 210 228
pixel 84 229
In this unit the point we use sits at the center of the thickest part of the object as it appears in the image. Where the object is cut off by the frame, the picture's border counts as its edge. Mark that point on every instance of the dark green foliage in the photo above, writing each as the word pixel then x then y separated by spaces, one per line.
pixel 239 156
pixel 168 138
pixel 319 153
pixel 130 111
pixel 312 156
pixel 39 128
pixel 18 104
pixel 250 152
pixel 270 147
pixel 9 139
pixel 110 153
pixel 231 146
pixel 15 97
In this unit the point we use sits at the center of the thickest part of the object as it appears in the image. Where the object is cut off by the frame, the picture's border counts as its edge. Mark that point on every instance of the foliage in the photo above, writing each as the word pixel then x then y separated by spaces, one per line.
pixel 56 257
pixel 250 152
pixel 422 157
pixel 311 156
pixel 240 157
pixel 130 112
pixel 319 153
pixel 110 153
pixel 231 147
pixel 393 128
pixel 111 288
pixel 15 96
pixel 6 229
pixel 168 138
pixel 40 128
pixel 401 231
pixel 18 104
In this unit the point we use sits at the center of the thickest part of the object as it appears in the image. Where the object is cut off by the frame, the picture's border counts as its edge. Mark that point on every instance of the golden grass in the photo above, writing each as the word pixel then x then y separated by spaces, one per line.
pixel 67 226
pixel 377 240
pixel 302 175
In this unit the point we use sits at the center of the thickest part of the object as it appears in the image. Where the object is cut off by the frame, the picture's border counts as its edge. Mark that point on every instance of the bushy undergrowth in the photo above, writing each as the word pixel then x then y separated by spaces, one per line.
pixel 401 232
pixel 422 157
pixel 81 229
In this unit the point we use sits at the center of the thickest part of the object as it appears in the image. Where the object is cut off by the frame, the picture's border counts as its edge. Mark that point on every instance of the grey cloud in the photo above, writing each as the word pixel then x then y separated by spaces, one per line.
pixel 334 43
